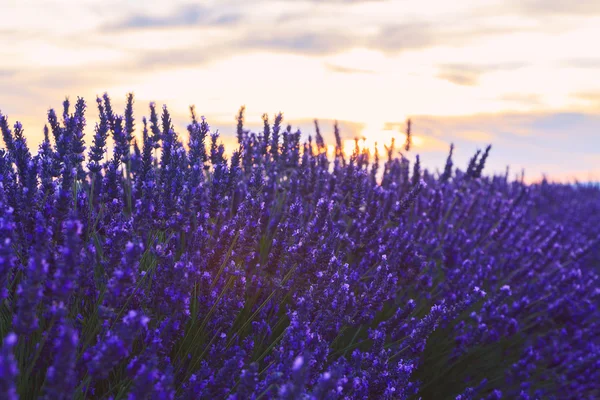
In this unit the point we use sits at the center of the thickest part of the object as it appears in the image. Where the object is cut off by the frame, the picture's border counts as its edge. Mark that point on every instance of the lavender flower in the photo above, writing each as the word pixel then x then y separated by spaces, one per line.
pixel 8 368
pixel 61 377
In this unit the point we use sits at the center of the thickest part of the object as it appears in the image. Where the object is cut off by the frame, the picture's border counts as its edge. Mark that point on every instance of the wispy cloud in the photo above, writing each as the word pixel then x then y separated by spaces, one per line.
pixel 557 7
pixel 347 70
pixel 477 136
pixel 311 43
pixel 346 1
pixel 530 99
pixel 563 132
pixel 200 54
pixel 7 73
pixel 175 58
pixel 182 16
pixel 298 39
pixel 591 97
pixel 468 74
pixel 404 36
pixel 562 145
pixel 593 63
pixel 465 75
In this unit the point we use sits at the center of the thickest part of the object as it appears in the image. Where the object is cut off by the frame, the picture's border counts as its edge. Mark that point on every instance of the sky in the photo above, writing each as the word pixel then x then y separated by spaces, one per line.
pixel 522 75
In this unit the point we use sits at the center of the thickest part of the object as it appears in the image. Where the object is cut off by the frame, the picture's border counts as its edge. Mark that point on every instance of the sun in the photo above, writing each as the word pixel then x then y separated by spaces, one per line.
pixel 373 135
pixel 376 135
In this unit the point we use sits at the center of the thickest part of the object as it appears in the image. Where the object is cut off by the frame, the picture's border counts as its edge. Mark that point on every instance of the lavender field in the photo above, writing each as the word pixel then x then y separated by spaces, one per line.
pixel 154 268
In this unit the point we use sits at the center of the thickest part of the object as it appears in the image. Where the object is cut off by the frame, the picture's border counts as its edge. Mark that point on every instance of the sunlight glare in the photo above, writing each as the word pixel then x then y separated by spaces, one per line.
pixel 374 134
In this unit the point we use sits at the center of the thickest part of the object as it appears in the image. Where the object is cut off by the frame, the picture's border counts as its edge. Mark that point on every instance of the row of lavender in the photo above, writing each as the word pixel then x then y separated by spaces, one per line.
pixel 170 271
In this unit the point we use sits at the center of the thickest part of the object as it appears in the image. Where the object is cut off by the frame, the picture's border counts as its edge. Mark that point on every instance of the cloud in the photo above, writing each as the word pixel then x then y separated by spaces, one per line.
pixel 64 80
pixel 29 93
pixel 157 59
pixel 8 32
pixel 560 132
pixel 404 36
pixel 7 73
pixel 304 29
pixel 317 41
pixel 183 16
pixel 464 75
pixel 15 95
pixel 592 97
pixel 563 125
pixel 346 1
pixel 309 31
pixel 557 7
pixel 477 136
pixel 530 99
pixel 311 43
pixel 468 74
pixel 593 63
pixel 347 70
pixel 554 143
pixel 420 33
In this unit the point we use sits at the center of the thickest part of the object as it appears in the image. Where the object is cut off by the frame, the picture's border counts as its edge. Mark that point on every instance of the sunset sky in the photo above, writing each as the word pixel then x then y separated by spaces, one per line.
pixel 523 75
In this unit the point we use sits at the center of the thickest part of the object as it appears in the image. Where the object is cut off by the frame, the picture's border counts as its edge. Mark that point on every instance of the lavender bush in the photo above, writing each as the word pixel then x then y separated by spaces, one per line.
pixel 166 271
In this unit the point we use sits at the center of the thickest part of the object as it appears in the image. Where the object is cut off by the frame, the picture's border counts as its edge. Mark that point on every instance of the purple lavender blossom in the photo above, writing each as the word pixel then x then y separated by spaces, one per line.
pixel 8 368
